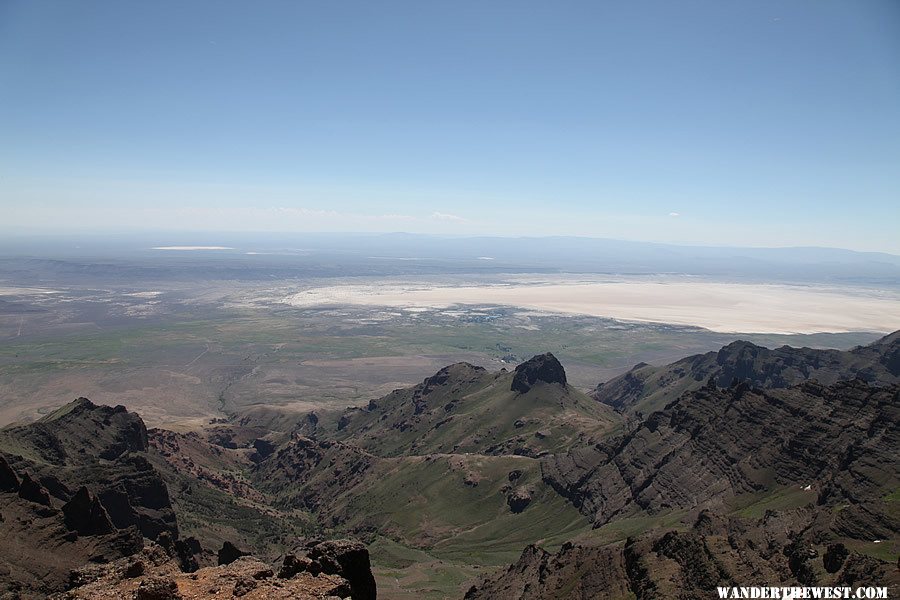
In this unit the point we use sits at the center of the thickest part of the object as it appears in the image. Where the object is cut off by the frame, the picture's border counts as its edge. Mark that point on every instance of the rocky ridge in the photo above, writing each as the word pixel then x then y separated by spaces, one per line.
pixel 646 388
pixel 731 482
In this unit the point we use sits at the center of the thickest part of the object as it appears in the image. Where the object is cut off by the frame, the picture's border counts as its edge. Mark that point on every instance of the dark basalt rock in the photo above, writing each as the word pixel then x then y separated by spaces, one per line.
pixel 350 560
pixel 230 553
pixel 244 586
pixel 9 481
pixel 85 514
pixel 519 500
pixel 835 557
pixel 187 551
pixel 29 489
pixel 134 569
pixel 55 487
pixel 344 420
pixel 264 448
pixel 801 559
pixel 701 569
pixel 860 570
pixel 543 367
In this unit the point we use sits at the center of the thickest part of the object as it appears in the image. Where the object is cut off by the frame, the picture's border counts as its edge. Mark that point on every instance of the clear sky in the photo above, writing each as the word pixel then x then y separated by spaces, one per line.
pixel 735 122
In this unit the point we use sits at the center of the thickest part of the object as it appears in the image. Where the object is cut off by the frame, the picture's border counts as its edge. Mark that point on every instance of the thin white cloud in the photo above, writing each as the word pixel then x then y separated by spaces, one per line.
pixel 284 214
pixel 188 248
pixel 447 217
pixel 674 214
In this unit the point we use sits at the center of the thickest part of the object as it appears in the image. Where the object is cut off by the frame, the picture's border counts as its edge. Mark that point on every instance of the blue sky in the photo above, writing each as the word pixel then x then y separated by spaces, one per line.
pixel 719 122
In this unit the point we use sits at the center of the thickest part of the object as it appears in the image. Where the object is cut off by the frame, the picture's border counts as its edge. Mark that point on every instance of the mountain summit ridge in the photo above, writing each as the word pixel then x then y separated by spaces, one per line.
pixel 718 485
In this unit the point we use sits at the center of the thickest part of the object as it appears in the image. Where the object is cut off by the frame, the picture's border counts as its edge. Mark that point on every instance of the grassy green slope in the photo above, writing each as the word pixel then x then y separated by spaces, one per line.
pixel 477 412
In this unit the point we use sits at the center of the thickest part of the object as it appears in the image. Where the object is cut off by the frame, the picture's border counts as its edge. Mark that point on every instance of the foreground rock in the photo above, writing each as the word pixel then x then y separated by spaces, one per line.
pixel 153 575
pixel 350 559
pixel 335 569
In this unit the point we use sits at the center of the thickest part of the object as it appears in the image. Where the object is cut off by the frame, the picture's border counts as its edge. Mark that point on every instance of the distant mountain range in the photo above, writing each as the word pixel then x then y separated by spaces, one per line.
pixel 746 466
pixel 261 256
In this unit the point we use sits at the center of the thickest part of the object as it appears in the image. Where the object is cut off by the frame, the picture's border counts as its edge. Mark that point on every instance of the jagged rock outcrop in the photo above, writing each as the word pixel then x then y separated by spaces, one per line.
pixel 574 572
pixel 264 449
pixel 420 411
pixel 77 488
pixel 519 499
pixel 543 367
pixel 100 446
pixel 309 473
pixel 85 514
pixel 38 548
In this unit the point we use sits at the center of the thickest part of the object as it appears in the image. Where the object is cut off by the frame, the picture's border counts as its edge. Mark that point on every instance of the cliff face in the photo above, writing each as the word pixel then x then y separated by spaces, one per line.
pixel 714 444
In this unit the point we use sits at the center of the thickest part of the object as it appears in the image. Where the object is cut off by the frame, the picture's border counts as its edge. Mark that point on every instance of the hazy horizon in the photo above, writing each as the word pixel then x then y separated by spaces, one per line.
pixel 14 237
